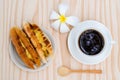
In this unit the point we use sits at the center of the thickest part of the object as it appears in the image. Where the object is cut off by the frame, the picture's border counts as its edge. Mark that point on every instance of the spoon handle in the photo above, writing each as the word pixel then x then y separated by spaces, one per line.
pixel 88 71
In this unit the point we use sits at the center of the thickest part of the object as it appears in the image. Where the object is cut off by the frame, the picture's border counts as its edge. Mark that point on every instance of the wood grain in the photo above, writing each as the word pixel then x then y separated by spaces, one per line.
pixel 14 12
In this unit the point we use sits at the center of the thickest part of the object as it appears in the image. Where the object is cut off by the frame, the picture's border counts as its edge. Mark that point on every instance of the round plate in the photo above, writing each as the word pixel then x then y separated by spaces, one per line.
pixel 74 47
pixel 16 59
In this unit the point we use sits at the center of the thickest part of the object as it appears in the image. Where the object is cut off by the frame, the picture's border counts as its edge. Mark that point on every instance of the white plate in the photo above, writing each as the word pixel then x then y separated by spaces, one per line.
pixel 74 47
pixel 16 59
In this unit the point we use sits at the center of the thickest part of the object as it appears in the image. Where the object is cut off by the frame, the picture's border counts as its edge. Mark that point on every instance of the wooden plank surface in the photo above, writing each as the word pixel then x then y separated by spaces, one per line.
pixel 14 12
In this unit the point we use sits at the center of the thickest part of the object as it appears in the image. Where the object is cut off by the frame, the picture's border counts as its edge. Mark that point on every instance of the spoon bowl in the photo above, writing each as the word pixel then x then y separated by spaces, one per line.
pixel 64 71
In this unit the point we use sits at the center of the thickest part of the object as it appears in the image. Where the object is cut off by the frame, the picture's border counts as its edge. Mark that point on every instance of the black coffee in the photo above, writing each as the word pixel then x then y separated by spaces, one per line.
pixel 91 42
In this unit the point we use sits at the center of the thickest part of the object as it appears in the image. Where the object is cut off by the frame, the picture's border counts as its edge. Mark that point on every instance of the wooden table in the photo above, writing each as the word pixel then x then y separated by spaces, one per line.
pixel 14 12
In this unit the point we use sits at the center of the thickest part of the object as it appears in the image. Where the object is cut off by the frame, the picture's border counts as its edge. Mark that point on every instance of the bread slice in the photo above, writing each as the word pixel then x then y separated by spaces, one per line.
pixel 43 40
pixel 34 55
pixel 30 33
pixel 19 48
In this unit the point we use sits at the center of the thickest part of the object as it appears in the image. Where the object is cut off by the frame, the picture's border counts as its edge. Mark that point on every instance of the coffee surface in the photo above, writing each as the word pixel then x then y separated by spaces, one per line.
pixel 91 42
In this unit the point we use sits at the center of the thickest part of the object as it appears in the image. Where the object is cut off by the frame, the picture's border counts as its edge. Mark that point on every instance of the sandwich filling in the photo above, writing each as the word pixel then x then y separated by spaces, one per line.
pixel 26 51
pixel 44 42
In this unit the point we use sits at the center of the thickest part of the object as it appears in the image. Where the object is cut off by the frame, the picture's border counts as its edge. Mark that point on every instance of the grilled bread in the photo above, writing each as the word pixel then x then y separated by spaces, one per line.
pixel 24 48
pixel 39 40
pixel 43 40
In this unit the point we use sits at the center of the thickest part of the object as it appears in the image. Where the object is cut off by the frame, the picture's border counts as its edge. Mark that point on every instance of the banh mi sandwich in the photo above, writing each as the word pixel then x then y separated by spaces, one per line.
pixel 40 42
pixel 24 48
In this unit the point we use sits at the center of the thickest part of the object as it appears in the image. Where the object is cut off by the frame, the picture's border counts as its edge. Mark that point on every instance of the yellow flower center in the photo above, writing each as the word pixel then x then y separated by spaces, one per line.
pixel 62 18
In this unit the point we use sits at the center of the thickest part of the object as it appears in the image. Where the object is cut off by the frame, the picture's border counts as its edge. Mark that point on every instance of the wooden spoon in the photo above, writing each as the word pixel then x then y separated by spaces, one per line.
pixel 64 71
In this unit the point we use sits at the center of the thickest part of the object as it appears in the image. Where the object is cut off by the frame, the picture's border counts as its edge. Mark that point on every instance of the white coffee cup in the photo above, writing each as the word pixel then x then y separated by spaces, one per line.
pixel 78 54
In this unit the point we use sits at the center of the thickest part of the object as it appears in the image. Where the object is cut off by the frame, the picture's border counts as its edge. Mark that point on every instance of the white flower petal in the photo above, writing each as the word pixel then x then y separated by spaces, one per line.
pixel 54 15
pixel 56 24
pixel 63 8
pixel 64 28
pixel 72 20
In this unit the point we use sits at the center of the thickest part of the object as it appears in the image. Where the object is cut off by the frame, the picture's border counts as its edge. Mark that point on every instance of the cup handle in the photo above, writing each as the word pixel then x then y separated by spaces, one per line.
pixel 113 42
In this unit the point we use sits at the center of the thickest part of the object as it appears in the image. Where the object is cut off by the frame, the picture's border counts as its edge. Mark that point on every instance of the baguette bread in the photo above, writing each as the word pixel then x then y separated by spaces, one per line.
pixel 43 40
pixel 24 48
pixel 29 31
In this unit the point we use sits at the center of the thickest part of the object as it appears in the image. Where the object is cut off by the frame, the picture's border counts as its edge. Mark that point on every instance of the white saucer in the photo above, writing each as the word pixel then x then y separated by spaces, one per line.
pixel 74 47
pixel 16 59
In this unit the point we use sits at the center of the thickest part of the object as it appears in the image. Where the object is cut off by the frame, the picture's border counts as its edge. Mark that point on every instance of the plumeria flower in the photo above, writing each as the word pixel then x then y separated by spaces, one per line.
pixel 61 21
